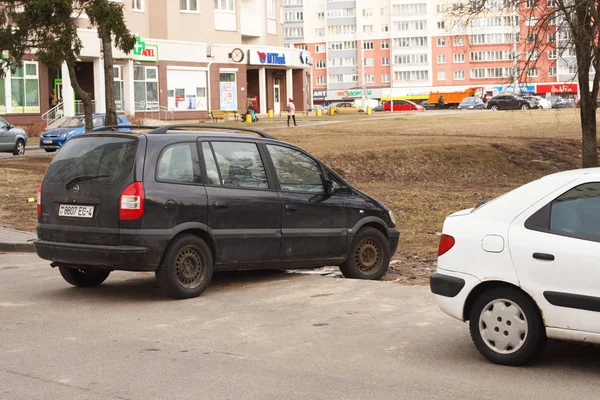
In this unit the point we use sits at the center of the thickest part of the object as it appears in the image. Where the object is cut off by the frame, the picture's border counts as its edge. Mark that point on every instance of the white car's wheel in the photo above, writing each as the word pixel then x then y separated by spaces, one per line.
pixel 506 326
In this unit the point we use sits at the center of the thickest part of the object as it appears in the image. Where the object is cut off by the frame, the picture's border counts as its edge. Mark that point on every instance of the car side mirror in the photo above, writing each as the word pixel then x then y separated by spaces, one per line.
pixel 331 187
pixel 10 126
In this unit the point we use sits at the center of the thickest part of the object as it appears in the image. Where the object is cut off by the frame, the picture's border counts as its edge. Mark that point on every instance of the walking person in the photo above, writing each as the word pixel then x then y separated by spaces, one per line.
pixel 291 110
pixel 254 108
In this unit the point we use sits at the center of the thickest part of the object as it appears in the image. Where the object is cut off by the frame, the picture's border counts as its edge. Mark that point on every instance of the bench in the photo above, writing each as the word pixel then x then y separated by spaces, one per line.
pixel 224 115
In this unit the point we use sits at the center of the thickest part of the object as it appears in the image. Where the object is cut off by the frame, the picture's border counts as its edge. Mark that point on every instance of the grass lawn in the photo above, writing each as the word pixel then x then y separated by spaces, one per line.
pixel 423 166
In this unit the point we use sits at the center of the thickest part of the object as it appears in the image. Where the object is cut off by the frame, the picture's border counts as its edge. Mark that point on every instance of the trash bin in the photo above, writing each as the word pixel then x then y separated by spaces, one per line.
pixel 369 110
pixel 331 111
pixel 319 112
pixel 248 117
pixel 270 113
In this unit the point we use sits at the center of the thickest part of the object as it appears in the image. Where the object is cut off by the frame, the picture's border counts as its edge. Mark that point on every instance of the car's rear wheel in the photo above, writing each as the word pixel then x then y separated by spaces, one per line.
pixel 494 108
pixel 524 107
pixel 369 256
pixel 83 277
pixel 186 268
pixel 50 150
pixel 19 148
pixel 506 326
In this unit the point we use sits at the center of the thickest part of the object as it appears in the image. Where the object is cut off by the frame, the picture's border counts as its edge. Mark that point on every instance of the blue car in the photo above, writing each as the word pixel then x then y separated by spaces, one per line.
pixel 54 139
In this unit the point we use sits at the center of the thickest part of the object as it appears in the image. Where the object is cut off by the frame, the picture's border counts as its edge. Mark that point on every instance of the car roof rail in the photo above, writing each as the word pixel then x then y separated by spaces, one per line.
pixel 119 128
pixel 165 129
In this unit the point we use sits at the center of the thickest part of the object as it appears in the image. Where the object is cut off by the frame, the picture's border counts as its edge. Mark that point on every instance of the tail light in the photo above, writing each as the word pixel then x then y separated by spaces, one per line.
pixel 39 201
pixel 446 243
pixel 131 206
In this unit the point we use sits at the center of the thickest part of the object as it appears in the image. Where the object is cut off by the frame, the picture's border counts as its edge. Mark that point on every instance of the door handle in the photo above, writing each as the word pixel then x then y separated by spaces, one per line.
pixel 291 209
pixel 221 205
pixel 543 256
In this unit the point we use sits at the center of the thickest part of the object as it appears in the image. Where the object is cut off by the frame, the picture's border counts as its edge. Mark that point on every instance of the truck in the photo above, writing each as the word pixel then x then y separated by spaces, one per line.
pixel 453 99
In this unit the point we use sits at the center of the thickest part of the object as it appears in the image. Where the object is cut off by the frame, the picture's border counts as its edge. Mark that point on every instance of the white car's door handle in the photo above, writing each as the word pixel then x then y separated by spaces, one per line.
pixel 543 256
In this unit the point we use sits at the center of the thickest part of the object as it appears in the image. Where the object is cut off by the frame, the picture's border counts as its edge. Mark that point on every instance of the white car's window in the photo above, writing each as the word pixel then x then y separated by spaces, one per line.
pixel 577 212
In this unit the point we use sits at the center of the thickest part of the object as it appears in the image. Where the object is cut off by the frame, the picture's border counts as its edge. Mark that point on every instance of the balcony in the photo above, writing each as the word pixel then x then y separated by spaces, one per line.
pixel 252 23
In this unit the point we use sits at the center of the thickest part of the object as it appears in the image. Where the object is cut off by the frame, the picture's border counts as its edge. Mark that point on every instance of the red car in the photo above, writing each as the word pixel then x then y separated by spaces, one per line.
pixel 402 105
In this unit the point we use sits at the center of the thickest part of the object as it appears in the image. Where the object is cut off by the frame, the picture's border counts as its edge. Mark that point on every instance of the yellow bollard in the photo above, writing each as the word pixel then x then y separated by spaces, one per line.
pixel 270 113
pixel 331 110
pixel 249 118
pixel 369 110
pixel 319 113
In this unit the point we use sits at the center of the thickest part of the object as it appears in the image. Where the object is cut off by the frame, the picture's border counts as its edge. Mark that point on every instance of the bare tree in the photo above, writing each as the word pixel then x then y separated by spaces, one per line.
pixel 562 26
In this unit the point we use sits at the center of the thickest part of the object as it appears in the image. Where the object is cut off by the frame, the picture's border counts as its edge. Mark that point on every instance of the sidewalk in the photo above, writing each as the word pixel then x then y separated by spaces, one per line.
pixel 16 241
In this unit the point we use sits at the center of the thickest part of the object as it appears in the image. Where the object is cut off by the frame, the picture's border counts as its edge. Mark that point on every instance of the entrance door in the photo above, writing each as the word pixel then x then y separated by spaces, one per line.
pixel 276 96
pixel 58 92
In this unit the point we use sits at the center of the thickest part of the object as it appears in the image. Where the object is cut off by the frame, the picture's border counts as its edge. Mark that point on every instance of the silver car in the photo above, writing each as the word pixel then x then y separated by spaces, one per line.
pixel 471 103
pixel 12 140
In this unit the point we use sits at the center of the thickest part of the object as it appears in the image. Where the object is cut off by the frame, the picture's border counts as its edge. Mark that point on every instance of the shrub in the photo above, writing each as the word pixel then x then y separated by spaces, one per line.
pixel 135 119
pixel 35 130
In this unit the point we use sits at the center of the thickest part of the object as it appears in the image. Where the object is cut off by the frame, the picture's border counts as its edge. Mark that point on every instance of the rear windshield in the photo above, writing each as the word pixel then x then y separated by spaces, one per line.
pixel 75 122
pixel 93 156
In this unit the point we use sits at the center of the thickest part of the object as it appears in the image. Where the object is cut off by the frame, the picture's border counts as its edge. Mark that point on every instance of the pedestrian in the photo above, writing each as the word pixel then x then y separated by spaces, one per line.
pixel 252 111
pixel 291 110
pixel 441 102
pixel 254 108
pixel 53 99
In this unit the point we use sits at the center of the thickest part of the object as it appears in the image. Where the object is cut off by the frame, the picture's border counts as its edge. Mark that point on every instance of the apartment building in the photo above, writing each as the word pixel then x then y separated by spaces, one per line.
pixel 406 48
pixel 191 56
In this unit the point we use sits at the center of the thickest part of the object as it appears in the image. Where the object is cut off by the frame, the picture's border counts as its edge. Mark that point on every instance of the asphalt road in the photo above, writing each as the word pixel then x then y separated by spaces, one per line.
pixel 260 335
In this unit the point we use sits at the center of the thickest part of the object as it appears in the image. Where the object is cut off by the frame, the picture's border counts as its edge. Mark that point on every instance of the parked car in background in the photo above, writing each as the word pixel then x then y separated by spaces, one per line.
pixel 427 106
pixel 523 268
pixel 471 103
pixel 347 108
pixel 510 102
pixel 402 105
pixel 53 139
pixel 579 100
pixel 316 107
pixel 12 140
pixel 557 102
pixel 185 204
pixel 378 108
pixel 542 102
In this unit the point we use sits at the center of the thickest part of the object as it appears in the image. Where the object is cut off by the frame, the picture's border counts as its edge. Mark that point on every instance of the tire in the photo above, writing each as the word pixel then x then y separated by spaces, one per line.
pixel 361 111
pixel 524 107
pixel 524 325
pixel 19 148
pixel 494 108
pixel 82 277
pixel 49 150
pixel 369 256
pixel 186 268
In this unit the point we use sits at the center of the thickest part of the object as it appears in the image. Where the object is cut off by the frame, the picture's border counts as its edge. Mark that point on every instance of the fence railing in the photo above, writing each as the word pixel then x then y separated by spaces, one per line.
pixel 53 114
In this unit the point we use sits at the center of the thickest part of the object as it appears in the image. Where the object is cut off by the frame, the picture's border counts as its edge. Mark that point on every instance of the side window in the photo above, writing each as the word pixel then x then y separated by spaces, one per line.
pixel 343 187
pixel 576 213
pixel 3 123
pixel 98 122
pixel 212 172
pixel 296 172
pixel 240 165
pixel 178 164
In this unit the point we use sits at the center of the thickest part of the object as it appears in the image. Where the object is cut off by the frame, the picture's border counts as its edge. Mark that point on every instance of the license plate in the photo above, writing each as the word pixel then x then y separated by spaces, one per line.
pixel 76 211
pixel 47 141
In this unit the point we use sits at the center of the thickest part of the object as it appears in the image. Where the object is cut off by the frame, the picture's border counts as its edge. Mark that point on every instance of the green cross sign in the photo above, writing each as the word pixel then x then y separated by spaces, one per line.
pixel 139 46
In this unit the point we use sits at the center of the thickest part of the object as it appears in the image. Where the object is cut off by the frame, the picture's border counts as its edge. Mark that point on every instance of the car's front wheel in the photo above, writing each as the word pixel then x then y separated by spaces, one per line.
pixel 83 277
pixel 186 268
pixel 494 107
pixel 524 107
pixel 506 326
pixel 369 256
pixel 19 149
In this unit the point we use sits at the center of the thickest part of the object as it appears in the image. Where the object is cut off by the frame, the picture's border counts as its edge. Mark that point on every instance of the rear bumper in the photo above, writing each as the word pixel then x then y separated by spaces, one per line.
pixel 451 290
pixel 125 258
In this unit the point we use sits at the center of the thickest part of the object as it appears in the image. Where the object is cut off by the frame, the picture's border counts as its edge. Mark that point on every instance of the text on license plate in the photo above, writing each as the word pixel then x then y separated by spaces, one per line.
pixel 76 211
pixel 47 141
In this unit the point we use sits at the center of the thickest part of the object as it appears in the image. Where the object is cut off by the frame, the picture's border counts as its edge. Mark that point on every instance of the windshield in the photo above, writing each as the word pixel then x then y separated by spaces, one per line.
pixel 74 122
pixel 109 156
pixel 469 100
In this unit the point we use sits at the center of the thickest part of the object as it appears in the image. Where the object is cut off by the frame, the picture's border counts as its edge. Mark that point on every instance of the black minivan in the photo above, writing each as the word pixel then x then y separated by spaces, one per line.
pixel 183 204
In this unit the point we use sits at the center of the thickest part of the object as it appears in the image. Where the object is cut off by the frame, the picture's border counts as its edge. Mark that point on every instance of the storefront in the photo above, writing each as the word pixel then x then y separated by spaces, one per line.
pixel 568 90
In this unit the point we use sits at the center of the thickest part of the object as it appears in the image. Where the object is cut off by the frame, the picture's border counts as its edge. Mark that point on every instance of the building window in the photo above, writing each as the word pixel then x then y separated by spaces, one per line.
pixel 287 17
pixel 320 32
pixel 531 38
pixel 572 69
pixel 385 45
pixel 320 48
pixel 271 9
pixel 320 15
pixel 228 91
pixel 188 5
pixel 137 5
pixel 551 37
pixel 441 42
pixel 368 45
pixel 369 78
pixel 441 59
pixel 531 21
pixel 531 3
pixel 411 75
pixel 552 55
pixel 367 12
pixel 145 87
pixel 119 87
pixel 532 55
pixel 551 3
pixel 321 80
pixel 552 20
pixel 533 72
pixel 385 61
pixel 441 76
pixel 459 58
pixel 25 92
pixel 441 25
pixel 440 8
pixel 320 64
pixel 459 75
pixel 458 41
pixel 385 77
pixel 302 47
pixel 367 28
pixel 368 62
pixel 385 28
pixel 383 11
pixel 552 71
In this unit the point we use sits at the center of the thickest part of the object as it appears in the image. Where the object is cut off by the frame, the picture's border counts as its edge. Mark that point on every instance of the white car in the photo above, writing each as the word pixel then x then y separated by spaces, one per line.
pixel 543 102
pixel 525 267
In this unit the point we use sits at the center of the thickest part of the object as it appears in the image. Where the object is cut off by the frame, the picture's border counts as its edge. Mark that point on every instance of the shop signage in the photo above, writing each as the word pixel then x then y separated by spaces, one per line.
pixel 557 88
pixel 511 88
pixel 353 93
pixel 305 58
pixel 271 58
pixel 319 94
pixel 143 51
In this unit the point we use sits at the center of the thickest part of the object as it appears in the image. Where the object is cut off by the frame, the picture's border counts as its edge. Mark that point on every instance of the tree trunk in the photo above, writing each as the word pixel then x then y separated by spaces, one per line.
pixel 587 111
pixel 84 96
pixel 109 79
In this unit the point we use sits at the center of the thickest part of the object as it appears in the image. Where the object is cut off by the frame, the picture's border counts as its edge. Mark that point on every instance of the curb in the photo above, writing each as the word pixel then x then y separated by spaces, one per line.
pixel 17 248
